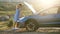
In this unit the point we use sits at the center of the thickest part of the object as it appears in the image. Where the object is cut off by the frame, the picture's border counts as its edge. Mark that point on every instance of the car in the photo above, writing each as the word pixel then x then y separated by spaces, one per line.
pixel 33 22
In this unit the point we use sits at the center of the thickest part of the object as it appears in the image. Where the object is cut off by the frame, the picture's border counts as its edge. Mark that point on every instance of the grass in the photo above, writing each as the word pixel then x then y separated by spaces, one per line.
pixel 9 9
pixel 3 24
pixel 6 12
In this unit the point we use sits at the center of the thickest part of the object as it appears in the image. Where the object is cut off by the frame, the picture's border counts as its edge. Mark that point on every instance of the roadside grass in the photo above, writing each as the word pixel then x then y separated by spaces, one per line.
pixel 6 12
pixel 6 24
pixel 3 24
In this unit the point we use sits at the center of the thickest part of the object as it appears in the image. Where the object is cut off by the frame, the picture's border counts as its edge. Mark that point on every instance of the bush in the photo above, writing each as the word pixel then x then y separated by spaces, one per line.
pixel 10 24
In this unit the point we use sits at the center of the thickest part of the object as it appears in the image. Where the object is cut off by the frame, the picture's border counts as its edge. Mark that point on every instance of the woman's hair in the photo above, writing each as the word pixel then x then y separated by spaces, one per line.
pixel 20 4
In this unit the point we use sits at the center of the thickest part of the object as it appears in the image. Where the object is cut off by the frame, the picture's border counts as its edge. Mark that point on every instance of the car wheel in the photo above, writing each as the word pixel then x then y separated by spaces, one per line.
pixel 31 25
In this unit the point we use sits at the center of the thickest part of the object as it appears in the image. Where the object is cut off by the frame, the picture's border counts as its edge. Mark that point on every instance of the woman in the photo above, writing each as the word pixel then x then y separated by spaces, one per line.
pixel 16 16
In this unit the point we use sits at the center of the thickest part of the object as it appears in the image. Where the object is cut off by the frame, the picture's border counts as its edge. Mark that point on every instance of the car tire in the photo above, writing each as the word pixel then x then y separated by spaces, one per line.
pixel 31 25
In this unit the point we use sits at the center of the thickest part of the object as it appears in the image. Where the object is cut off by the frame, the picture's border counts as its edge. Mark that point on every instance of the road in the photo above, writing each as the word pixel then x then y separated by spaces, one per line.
pixel 43 29
pixel 26 33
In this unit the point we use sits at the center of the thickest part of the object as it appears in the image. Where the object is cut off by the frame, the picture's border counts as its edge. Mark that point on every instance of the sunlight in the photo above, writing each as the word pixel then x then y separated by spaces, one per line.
pixel 41 5
pixel 47 3
pixel 30 7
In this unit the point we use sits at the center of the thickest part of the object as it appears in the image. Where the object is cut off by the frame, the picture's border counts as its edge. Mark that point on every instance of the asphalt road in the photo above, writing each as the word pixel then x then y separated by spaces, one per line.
pixel 2 32
pixel 25 32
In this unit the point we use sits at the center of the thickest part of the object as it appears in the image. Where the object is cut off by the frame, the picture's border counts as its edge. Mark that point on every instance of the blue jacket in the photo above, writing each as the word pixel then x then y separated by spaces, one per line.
pixel 16 16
